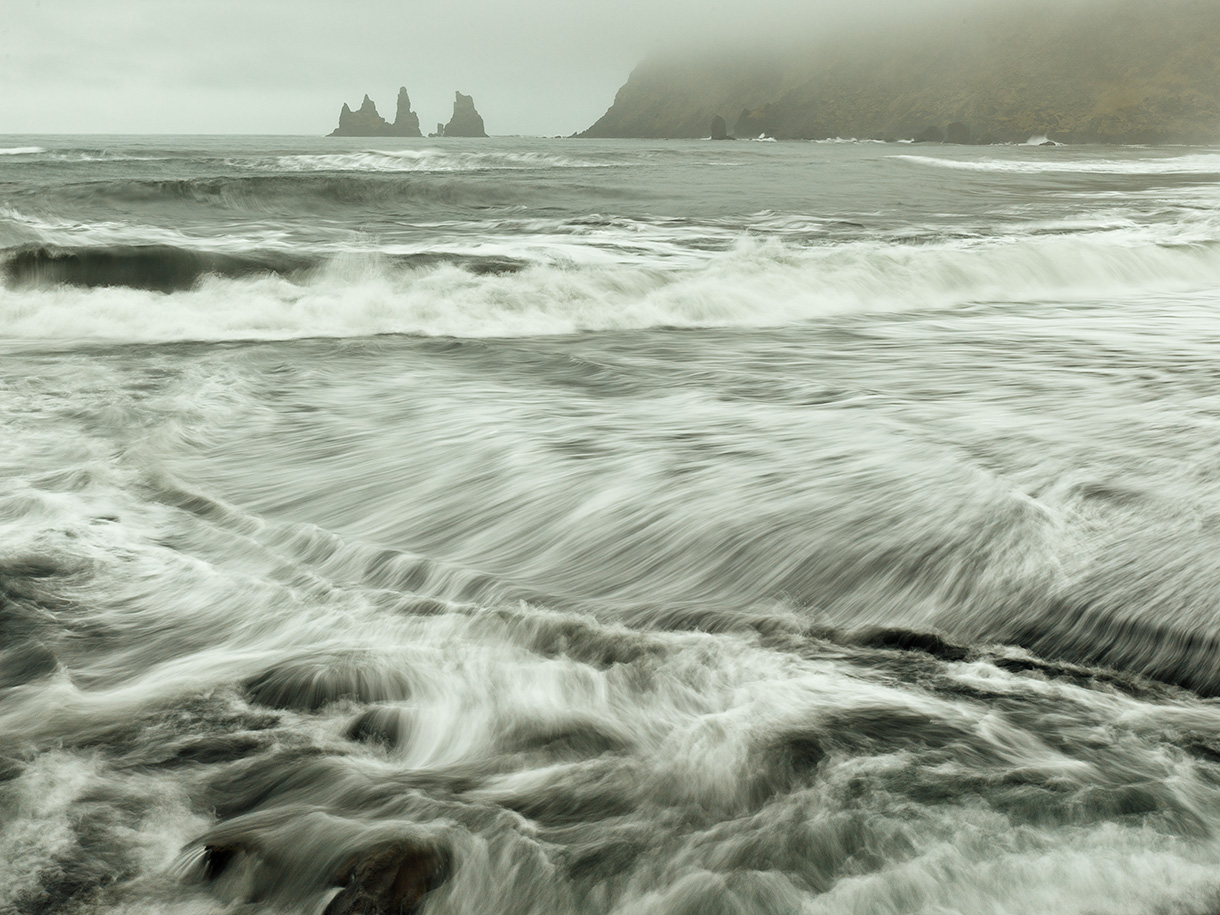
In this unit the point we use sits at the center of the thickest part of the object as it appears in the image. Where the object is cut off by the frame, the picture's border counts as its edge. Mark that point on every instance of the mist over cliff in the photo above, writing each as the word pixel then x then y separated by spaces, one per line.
pixel 1111 71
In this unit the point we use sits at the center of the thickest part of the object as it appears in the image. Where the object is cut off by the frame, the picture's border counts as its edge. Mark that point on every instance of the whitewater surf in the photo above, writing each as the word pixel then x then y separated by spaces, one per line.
pixel 608 527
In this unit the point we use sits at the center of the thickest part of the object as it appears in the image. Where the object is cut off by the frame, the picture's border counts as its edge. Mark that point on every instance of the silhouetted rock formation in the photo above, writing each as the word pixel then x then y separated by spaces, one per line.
pixel 466 122
pixel 366 122
pixel 1108 71
pixel 406 121
pixel 720 130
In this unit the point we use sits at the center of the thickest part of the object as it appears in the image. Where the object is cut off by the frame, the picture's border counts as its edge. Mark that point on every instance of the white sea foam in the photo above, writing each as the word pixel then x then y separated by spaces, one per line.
pixel 756 283
pixel 412 160
pixel 1193 164
pixel 49 230
pixel 20 150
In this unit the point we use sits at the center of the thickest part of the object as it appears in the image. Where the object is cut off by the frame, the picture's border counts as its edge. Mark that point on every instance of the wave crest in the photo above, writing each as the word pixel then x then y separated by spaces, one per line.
pixel 1198 164
pixel 755 284
pixel 412 160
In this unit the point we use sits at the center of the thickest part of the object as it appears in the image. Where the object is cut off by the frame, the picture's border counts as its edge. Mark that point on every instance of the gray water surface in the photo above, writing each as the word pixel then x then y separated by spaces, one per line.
pixel 676 527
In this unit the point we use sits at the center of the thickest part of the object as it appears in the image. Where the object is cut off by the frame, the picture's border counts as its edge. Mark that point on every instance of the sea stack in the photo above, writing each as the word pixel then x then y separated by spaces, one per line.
pixel 366 122
pixel 406 121
pixel 466 121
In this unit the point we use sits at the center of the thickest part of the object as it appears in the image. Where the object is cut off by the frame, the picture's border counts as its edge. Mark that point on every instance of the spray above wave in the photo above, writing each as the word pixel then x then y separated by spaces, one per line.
pixel 755 284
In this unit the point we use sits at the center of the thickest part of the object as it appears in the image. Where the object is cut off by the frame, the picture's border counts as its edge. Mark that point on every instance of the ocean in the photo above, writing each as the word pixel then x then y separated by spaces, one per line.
pixel 573 526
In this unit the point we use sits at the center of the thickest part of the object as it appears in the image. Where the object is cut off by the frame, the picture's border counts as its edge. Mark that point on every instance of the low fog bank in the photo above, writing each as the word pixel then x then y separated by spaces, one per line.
pixel 1126 71
pixel 534 66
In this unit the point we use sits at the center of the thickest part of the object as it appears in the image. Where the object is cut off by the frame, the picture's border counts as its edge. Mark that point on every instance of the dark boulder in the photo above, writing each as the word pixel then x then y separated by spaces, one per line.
pixel 388 880
pixel 466 121
pixel 931 134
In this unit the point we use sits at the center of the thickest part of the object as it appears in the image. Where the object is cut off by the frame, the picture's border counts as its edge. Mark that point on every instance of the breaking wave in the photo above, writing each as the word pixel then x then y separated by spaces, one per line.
pixel 413 160
pixel 116 293
pixel 1207 164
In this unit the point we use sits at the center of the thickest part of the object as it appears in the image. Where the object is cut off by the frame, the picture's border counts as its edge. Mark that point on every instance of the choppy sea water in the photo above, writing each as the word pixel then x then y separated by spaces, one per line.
pixel 641 527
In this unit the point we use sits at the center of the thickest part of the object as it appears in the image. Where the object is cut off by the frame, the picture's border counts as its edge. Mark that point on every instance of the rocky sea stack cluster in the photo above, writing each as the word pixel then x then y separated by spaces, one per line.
pixel 366 122
pixel 1091 71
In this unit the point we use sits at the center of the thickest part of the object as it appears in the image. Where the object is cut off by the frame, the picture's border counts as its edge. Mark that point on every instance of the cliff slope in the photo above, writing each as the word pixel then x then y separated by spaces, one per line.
pixel 1114 71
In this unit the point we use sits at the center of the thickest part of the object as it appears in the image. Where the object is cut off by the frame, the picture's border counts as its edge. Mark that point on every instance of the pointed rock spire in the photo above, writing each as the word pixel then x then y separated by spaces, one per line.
pixel 406 121
pixel 466 121
pixel 366 122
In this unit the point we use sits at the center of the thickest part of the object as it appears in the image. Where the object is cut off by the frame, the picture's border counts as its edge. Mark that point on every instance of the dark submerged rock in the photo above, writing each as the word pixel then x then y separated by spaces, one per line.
pixel 466 121
pixel 217 858
pixel 388 880
pixel 910 640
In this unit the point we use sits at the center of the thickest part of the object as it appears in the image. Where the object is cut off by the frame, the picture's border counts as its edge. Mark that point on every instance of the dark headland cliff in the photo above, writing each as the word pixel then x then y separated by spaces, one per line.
pixel 1104 71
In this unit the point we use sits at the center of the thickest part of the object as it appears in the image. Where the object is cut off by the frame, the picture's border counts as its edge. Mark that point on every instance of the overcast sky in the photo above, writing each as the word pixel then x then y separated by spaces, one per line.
pixel 539 67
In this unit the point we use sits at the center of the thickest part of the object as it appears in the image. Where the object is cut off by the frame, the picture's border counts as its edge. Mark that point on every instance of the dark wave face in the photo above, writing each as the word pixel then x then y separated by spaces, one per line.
pixel 577 527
